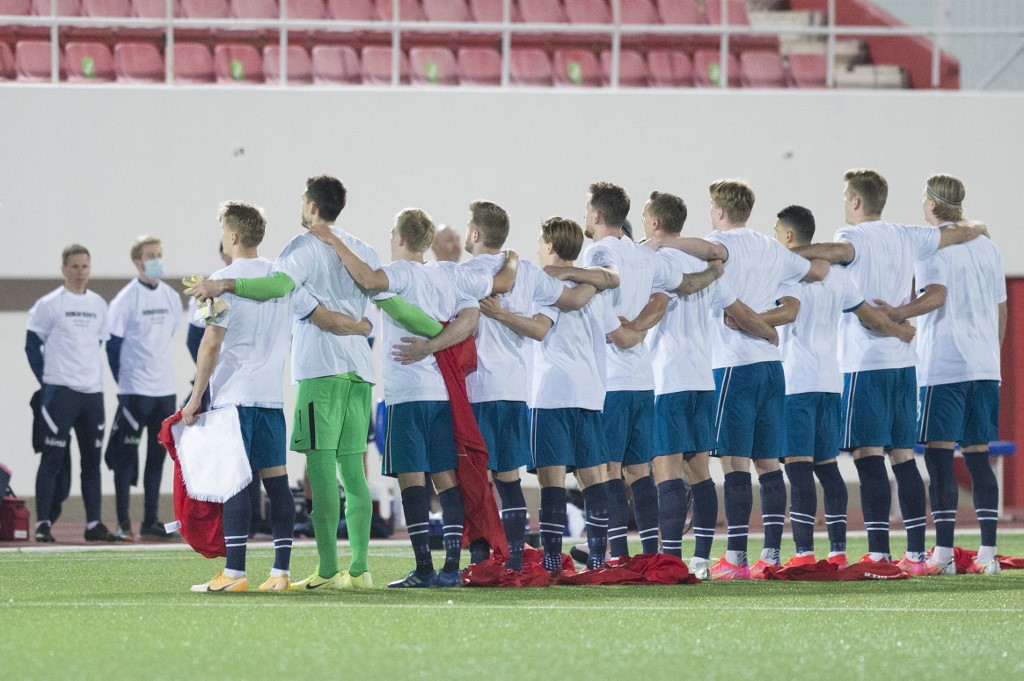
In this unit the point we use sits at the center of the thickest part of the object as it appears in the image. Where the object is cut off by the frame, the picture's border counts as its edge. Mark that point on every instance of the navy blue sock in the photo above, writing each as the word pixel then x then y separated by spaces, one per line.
pixel 416 506
pixel 282 518
pixel 672 516
pixel 912 503
pixel 479 550
pixel 773 509
pixel 513 518
pixel 618 517
pixel 705 516
pixel 595 498
pixel 739 502
pixel 875 500
pixel 835 498
pixel 452 514
pixel 803 504
pixel 942 493
pixel 645 512
pixel 986 495
pixel 151 476
pixel 236 529
pixel 552 525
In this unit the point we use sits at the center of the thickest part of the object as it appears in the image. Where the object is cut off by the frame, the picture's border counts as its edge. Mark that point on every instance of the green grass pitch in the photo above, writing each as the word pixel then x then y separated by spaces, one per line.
pixel 111 614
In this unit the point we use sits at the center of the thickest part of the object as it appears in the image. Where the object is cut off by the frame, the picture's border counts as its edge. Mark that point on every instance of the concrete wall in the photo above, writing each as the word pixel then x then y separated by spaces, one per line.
pixel 102 165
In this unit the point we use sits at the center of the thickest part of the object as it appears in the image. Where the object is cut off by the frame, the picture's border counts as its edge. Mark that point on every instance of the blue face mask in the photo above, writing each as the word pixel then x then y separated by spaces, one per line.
pixel 154 269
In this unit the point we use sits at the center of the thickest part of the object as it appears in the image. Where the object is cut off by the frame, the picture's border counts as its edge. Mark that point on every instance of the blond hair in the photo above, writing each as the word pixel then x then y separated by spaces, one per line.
pixel 564 235
pixel 735 197
pixel 416 229
pixel 948 193
pixel 141 242
pixel 870 187
pixel 246 220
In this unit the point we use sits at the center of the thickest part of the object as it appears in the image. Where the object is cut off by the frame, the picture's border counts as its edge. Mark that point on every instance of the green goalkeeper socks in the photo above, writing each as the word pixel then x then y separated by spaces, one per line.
pixel 358 509
pixel 323 482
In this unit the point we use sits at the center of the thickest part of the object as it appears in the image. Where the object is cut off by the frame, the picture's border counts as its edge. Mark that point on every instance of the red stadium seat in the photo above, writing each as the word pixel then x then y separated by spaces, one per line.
pixel 542 12
pixel 8 71
pixel 237 63
pixel 736 9
pixel 530 66
pixel 638 12
pixel 138 63
pixel 377 66
pixel 205 9
pixel 669 68
pixel 408 10
pixel 445 10
pixel 300 69
pixel 336 65
pixel 154 9
pixel 632 69
pixel 680 12
pixel 479 66
pixel 575 68
pixel 193 63
pixel 107 8
pixel 491 11
pixel 13 8
pixel 32 61
pixel 255 9
pixel 706 69
pixel 808 70
pixel 89 62
pixel 762 68
pixel 351 10
pixel 432 66
pixel 588 12
pixel 65 8
pixel 312 10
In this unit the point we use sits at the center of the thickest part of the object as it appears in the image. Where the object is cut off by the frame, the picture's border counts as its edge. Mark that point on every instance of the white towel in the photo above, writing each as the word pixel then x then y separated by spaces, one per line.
pixel 212 455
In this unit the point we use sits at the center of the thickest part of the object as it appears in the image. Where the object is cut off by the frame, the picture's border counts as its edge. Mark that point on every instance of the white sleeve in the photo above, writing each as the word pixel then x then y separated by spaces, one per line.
pixel 932 270
pixel 850 296
pixel 546 289
pixel 667 274
pixel 924 241
pixel 796 267
pixel 721 295
pixel 399 276
pixel 297 260
pixel 790 290
pixel 998 278
pixel 852 237
pixel 40 319
pixel 118 315
pixel 303 303
pixel 598 255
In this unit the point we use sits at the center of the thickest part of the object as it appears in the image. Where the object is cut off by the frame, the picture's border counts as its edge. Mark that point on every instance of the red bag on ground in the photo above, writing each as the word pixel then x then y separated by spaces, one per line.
pixel 202 522
pixel 643 569
pixel 824 571
pixel 964 557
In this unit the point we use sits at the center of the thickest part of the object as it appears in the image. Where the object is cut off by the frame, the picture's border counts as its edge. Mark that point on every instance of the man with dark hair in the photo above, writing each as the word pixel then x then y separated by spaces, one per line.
pixel 813 387
pixel 144 317
pixel 66 328
pixel 880 389
pixel 328 194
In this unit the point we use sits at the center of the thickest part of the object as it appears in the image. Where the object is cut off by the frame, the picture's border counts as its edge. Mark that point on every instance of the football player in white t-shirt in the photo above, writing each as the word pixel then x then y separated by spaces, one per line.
pixel 241 360
pixel 144 316
pixel 962 308
pixel 684 385
pixel 419 430
pixel 809 316
pixel 880 386
pixel 498 389
pixel 65 331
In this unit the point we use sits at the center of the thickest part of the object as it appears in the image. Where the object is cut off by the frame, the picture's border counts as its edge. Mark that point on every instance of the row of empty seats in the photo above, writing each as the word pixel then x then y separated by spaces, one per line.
pixel 338 64
pixel 532 11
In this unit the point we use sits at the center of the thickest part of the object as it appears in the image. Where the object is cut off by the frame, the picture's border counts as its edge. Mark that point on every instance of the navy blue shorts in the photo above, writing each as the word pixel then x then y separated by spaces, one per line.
pixel 880 409
pixel 264 435
pixel 750 417
pixel 684 422
pixel 628 420
pixel 812 425
pixel 966 412
pixel 505 426
pixel 419 438
pixel 569 437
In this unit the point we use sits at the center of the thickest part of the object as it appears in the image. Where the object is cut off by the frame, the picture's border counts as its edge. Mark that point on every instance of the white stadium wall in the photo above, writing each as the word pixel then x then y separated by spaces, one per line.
pixel 101 165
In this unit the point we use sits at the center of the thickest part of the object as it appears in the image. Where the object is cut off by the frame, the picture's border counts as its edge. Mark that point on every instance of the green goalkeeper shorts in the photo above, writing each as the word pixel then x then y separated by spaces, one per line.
pixel 332 412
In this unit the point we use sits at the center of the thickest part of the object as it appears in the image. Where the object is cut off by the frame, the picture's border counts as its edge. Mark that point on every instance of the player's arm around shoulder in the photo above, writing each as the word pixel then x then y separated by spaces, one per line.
pixel 367 277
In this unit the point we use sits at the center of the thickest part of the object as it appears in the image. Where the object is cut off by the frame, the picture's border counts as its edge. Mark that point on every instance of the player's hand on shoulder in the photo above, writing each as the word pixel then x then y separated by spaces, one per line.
pixel 323 232
pixel 558 272
pixel 490 307
pixel 511 257
pixel 654 243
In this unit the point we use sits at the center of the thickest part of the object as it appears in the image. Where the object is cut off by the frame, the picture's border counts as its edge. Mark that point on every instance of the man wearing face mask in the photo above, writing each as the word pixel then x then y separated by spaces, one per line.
pixel 143 317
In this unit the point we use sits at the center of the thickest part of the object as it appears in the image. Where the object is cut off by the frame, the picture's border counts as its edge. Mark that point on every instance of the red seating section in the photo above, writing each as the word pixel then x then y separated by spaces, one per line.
pixel 8 70
pixel 193 63
pixel 432 66
pixel 237 63
pixel 336 65
pixel 707 70
pixel 808 70
pixel 762 68
pixel 138 63
pixel 575 68
pixel 479 66
pixel 300 67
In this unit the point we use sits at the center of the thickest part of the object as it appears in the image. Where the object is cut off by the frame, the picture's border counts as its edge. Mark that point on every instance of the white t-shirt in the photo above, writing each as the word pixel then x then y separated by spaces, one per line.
pixel 882 269
pixel 315 266
pixel 809 344
pixel 146 318
pixel 569 366
pixel 441 290
pixel 501 366
pixel 250 370
pixel 641 272
pixel 757 267
pixel 72 327
pixel 680 344
pixel 960 340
